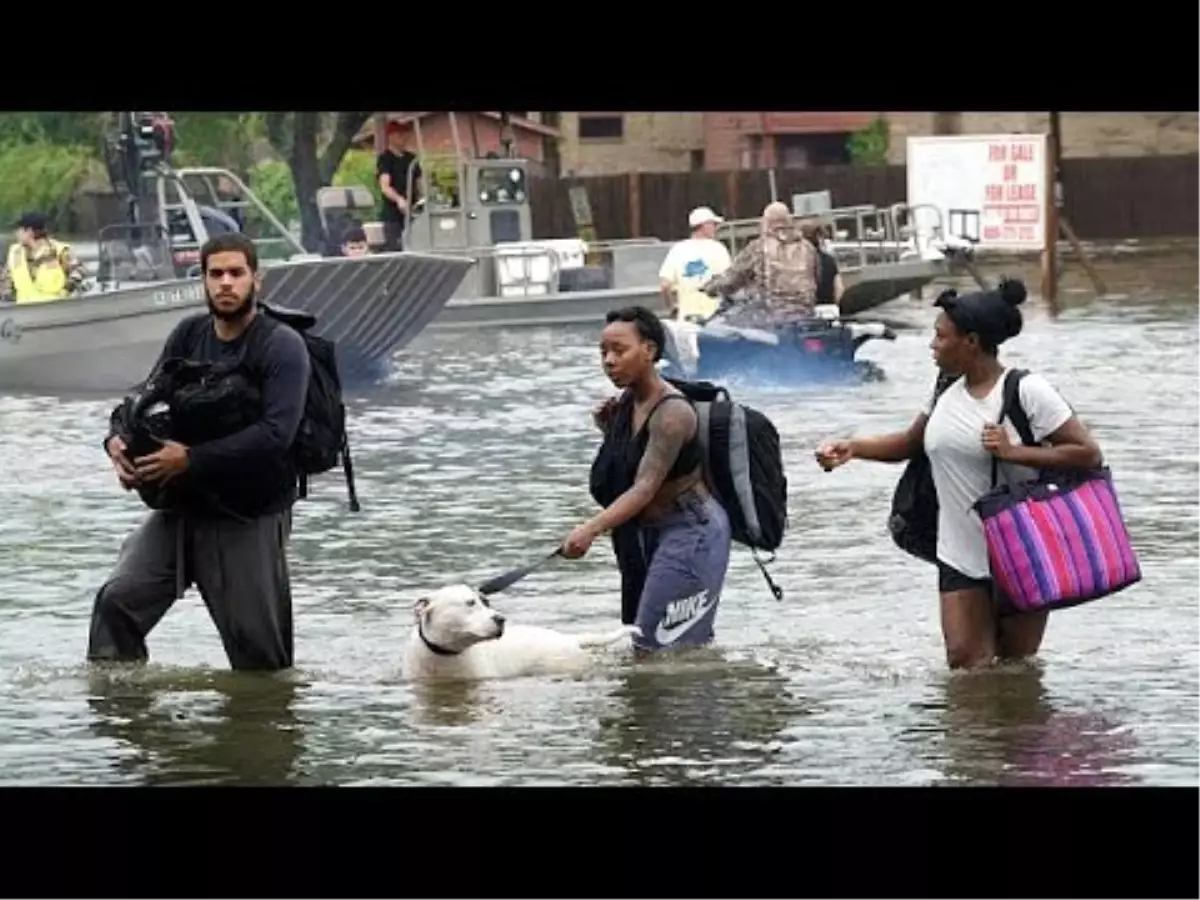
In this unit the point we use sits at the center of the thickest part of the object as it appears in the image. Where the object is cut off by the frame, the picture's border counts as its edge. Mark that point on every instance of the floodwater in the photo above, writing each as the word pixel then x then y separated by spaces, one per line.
pixel 475 460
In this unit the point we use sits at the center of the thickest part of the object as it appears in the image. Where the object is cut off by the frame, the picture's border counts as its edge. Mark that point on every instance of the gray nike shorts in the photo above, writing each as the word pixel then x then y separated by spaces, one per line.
pixel 687 555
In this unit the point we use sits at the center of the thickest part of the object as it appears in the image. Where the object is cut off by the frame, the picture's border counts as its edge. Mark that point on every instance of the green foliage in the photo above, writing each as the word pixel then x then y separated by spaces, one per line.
pixel 869 146
pixel 358 167
pixel 271 181
pixel 46 158
pixel 46 178
pixel 228 139
pixel 84 130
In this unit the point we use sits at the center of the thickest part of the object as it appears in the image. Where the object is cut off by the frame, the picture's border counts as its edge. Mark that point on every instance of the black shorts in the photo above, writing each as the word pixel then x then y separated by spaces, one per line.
pixel 950 579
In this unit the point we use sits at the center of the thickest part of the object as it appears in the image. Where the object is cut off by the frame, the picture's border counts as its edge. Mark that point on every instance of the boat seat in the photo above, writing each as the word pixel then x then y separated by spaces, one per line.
pixel 525 268
pixel 339 206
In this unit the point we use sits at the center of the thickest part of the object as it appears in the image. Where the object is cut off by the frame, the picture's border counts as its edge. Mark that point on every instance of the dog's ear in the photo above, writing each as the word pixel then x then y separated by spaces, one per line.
pixel 420 607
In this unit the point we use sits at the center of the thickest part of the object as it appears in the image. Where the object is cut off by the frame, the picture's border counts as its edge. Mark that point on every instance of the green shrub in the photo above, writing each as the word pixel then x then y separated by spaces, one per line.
pixel 271 181
pixel 45 177
pixel 869 146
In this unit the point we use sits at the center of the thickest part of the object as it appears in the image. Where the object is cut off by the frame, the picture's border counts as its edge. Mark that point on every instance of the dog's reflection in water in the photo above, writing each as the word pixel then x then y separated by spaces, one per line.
pixel 696 715
pixel 448 704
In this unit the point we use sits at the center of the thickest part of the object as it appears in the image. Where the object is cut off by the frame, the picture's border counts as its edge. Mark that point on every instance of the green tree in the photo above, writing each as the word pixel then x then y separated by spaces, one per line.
pixel 869 146
pixel 313 155
pixel 83 130
pixel 233 140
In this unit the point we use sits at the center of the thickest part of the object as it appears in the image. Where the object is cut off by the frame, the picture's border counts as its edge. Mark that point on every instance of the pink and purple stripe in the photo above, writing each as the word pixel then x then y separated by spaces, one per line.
pixel 1062 549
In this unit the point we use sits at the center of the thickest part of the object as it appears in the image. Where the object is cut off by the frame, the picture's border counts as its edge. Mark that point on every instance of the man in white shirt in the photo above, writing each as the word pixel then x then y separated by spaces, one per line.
pixel 690 264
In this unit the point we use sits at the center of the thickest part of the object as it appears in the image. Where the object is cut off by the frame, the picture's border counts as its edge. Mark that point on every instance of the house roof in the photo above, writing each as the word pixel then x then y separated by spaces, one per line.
pixel 367 132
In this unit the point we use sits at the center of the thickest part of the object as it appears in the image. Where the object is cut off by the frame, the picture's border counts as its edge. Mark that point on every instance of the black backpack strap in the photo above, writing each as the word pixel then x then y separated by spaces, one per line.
pixel 663 399
pixel 762 567
pixel 1010 408
pixel 193 334
pixel 348 471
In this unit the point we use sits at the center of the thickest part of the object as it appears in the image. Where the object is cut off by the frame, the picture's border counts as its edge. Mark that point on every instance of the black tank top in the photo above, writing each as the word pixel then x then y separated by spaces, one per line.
pixel 615 467
pixel 827 270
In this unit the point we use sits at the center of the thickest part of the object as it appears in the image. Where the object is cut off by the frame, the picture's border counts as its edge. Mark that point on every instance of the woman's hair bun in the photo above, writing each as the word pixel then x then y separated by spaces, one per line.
pixel 1012 291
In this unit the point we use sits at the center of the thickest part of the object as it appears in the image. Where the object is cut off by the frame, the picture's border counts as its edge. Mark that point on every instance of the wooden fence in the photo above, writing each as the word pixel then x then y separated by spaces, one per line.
pixel 1107 198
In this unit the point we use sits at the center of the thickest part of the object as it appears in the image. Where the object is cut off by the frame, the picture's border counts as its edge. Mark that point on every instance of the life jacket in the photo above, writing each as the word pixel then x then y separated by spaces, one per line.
pixel 46 281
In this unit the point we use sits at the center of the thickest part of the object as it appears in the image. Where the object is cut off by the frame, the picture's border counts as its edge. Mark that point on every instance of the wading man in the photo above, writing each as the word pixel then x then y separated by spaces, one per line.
pixel 227 519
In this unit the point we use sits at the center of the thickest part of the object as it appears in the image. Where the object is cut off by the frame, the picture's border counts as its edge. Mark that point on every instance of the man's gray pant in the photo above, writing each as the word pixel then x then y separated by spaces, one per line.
pixel 239 567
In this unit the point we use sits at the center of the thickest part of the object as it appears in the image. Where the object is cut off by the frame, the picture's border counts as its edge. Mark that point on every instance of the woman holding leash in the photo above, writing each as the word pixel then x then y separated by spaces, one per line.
pixel 959 434
pixel 670 535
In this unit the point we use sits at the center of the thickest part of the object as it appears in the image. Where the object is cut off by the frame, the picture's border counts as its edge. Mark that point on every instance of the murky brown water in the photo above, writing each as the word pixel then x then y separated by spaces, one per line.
pixel 461 476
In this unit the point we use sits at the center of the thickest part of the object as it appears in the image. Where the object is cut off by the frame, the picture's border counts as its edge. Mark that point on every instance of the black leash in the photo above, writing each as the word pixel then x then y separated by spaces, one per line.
pixel 500 582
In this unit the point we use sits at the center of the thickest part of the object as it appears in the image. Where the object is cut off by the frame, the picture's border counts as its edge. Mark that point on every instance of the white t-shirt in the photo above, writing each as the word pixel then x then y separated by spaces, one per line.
pixel 962 468
pixel 688 267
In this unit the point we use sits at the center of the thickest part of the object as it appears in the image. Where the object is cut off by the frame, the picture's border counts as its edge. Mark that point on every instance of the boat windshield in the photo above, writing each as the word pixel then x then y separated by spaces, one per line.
pixel 502 185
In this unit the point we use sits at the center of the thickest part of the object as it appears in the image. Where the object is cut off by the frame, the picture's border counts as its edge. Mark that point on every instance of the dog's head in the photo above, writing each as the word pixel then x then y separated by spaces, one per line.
pixel 457 616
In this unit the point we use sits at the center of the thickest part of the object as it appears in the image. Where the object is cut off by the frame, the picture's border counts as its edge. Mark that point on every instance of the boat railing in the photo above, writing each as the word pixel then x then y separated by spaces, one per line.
pixel 525 271
pixel 247 201
pixel 862 235
pixel 138 253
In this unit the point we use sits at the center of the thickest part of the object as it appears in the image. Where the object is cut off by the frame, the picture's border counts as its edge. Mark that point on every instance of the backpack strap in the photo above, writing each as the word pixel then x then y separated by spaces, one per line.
pixel 1011 408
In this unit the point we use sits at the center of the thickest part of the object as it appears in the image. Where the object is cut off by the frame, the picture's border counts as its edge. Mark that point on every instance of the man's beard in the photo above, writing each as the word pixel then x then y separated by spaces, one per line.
pixel 235 315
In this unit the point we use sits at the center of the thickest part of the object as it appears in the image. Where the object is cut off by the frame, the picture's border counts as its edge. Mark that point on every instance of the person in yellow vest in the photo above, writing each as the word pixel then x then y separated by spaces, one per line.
pixel 690 264
pixel 38 268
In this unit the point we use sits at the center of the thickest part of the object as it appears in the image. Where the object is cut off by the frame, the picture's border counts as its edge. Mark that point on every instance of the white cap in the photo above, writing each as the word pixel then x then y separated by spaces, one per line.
pixel 702 214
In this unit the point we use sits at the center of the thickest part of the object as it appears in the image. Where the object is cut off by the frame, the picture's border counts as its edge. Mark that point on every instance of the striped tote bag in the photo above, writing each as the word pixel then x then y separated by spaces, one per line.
pixel 1058 540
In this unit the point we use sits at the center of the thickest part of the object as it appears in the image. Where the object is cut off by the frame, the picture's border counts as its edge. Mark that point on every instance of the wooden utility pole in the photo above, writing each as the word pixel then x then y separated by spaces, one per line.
pixel 1050 207
pixel 1057 223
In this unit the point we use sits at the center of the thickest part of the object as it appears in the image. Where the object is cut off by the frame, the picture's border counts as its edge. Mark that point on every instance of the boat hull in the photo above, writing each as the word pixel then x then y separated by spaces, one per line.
pixel 563 308
pixel 865 290
pixel 370 306
pixel 817 352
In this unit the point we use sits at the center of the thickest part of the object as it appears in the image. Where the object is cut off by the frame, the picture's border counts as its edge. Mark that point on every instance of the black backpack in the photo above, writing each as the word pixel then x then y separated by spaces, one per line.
pixel 321 439
pixel 914 515
pixel 744 466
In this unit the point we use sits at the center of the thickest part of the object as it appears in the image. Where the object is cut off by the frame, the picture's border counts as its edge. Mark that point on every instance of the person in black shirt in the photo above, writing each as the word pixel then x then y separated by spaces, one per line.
pixel 227 528
pixel 392 169
pixel 829 280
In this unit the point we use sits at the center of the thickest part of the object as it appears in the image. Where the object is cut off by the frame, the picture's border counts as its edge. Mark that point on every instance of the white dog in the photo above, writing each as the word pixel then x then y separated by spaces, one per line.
pixel 458 636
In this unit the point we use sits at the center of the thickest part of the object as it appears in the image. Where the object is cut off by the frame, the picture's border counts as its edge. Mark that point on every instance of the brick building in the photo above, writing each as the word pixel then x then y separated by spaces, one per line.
pixel 611 143
pixel 606 143
pixel 479 130
pixel 615 142
pixel 787 140
pixel 1084 134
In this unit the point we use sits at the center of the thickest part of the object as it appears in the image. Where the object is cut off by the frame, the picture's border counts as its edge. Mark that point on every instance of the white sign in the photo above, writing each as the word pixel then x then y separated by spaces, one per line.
pixel 989 187
pixel 812 204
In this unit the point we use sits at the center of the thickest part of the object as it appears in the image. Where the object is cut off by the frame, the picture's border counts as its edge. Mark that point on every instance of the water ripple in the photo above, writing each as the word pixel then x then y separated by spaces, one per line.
pixel 475 459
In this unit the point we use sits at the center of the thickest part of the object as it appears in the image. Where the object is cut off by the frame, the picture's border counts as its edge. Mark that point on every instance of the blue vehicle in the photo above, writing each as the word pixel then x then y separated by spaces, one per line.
pixel 820 349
